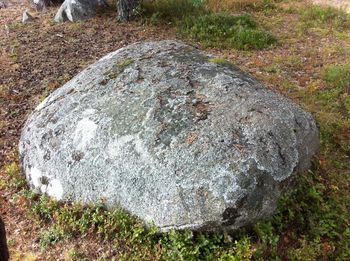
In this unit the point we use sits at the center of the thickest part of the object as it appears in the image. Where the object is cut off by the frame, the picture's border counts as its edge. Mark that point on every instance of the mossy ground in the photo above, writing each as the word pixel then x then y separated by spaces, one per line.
pixel 310 63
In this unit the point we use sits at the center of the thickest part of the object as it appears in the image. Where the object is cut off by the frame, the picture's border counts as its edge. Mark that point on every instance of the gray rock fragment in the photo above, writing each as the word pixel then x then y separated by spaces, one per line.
pixel 39 5
pixel 158 129
pixel 26 18
pixel 3 4
pixel 77 10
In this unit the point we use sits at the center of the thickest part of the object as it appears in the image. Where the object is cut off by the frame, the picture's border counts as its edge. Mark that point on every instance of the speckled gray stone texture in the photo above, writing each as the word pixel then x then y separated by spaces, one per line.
pixel 159 130
pixel 77 10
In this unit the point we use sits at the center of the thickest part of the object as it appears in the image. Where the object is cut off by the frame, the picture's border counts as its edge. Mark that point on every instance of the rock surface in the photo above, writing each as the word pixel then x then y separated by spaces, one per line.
pixel 158 129
pixel 77 10
pixel 3 4
pixel 26 18
pixel 41 5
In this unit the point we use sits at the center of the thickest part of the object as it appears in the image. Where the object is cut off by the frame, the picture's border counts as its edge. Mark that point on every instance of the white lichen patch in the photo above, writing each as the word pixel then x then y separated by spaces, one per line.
pixel 55 189
pixel 84 133
pixel 115 148
pixel 35 176
pixel 225 184
pixel 89 112
pixel 118 146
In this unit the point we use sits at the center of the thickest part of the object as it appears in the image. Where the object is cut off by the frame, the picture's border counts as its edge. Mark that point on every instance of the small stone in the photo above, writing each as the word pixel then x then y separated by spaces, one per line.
pixel 3 4
pixel 27 17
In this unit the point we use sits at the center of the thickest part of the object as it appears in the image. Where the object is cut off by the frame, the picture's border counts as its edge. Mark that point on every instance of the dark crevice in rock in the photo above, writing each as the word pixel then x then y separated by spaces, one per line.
pixel 77 155
pixel 44 180
pixel 229 216
pixel 283 158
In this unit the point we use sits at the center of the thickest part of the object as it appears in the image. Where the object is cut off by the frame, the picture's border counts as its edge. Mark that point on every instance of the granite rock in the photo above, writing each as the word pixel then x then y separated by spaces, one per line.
pixel 77 10
pixel 161 130
pixel 26 18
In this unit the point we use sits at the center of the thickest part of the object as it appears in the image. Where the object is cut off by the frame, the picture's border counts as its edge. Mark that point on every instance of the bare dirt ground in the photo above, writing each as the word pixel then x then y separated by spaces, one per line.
pixel 39 57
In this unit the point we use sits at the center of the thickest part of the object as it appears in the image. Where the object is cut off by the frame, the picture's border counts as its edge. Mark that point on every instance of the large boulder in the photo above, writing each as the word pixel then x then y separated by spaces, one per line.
pixel 77 10
pixel 161 130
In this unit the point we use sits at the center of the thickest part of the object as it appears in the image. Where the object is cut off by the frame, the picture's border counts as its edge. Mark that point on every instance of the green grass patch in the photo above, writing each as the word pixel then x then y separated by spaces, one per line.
pixel 331 105
pixel 315 216
pixel 337 76
pixel 14 178
pixel 170 11
pixel 226 31
pixel 196 22
pixel 76 255
pixel 314 213
pixel 335 100
pixel 318 16
pixel 138 242
pixel 240 5
pixel 52 236
pixel 219 60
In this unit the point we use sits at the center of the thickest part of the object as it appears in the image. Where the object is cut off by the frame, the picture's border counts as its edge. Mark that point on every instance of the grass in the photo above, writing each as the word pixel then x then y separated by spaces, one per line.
pixel 315 216
pixel 74 254
pixel 331 105
pixel 317 211
pixel 198 23
pixel 52 236
pixel 227 31
pixel 314 16
pixel 117 226
pixel 338 76
pixel 169 11
pixel 221 61
pixel 239 5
